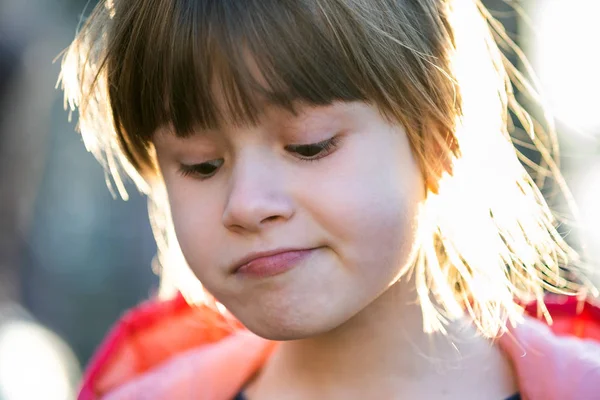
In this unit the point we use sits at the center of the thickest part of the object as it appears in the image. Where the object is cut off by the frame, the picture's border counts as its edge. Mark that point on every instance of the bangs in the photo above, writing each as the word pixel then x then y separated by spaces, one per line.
pixel 196 64
pixel 201 64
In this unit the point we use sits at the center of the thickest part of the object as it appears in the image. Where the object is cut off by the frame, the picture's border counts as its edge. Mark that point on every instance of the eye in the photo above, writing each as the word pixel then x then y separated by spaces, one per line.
pixel 201 171
pixel 313 151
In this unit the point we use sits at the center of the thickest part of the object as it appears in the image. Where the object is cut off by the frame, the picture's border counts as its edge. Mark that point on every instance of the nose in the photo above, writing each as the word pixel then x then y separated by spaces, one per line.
pixel 257 195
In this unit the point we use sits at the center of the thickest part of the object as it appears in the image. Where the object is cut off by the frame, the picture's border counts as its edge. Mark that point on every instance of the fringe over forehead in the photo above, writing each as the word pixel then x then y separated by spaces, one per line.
pixel 197 63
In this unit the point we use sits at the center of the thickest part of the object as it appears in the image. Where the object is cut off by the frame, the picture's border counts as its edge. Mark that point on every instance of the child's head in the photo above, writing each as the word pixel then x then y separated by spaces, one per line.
pixel 373 131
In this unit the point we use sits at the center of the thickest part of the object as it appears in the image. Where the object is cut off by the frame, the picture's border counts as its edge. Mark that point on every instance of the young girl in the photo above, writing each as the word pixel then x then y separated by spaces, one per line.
pixel 338 177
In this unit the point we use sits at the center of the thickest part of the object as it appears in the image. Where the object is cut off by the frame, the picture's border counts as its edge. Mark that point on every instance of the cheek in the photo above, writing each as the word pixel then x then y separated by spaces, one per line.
pixel 371 204
pixel 195 218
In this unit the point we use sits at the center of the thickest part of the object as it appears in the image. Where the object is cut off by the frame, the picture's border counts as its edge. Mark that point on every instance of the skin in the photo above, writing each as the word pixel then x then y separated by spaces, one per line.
pixel 340 311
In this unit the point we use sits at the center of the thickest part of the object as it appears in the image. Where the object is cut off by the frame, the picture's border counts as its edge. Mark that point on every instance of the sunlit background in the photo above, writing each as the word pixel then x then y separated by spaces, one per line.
pixel 72 258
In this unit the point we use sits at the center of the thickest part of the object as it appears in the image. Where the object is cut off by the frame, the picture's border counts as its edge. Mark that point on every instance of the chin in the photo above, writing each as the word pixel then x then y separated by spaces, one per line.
pixel 286 326
pixel 281 333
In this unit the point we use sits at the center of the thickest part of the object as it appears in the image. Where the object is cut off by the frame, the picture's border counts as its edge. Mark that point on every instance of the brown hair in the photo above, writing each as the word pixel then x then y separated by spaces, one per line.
pixel 137 65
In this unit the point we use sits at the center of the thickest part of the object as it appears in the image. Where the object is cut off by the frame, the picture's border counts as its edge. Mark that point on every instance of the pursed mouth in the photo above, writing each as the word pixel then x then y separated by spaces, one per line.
pixel 271 262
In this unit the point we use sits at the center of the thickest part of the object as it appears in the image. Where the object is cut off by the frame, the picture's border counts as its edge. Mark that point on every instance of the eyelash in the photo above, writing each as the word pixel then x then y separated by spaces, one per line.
pixel 195 170
pixel 324 148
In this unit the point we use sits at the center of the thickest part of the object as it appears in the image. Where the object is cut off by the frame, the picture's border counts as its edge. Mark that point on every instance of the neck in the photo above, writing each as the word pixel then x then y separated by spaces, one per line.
pixel 382 352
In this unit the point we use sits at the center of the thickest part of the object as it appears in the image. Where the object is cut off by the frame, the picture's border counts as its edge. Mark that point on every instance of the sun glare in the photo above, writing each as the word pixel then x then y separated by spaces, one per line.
pixel 34 363
pixel 565 53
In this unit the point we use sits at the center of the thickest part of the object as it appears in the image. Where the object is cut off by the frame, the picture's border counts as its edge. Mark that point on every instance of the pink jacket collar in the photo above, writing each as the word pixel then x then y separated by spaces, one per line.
pixel 212 357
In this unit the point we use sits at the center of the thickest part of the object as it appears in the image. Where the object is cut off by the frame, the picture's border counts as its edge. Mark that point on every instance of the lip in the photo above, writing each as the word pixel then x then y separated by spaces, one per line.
pixel 269 263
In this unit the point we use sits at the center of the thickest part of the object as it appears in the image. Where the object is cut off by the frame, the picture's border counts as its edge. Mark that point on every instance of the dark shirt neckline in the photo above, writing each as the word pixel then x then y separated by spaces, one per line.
pixel 516 396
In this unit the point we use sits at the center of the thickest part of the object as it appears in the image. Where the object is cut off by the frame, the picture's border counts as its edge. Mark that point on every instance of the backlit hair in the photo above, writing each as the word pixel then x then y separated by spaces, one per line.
pixel 487 240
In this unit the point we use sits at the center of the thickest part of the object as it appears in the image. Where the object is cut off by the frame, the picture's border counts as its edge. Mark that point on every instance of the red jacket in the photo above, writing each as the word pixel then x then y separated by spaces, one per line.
pixel 212 357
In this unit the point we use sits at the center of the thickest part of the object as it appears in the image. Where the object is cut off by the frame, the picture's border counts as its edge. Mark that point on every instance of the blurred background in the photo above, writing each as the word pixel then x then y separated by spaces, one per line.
pixel 72 257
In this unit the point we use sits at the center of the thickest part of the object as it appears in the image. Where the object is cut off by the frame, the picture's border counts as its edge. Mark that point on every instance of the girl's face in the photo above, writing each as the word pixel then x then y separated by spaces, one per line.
pixel 339 181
